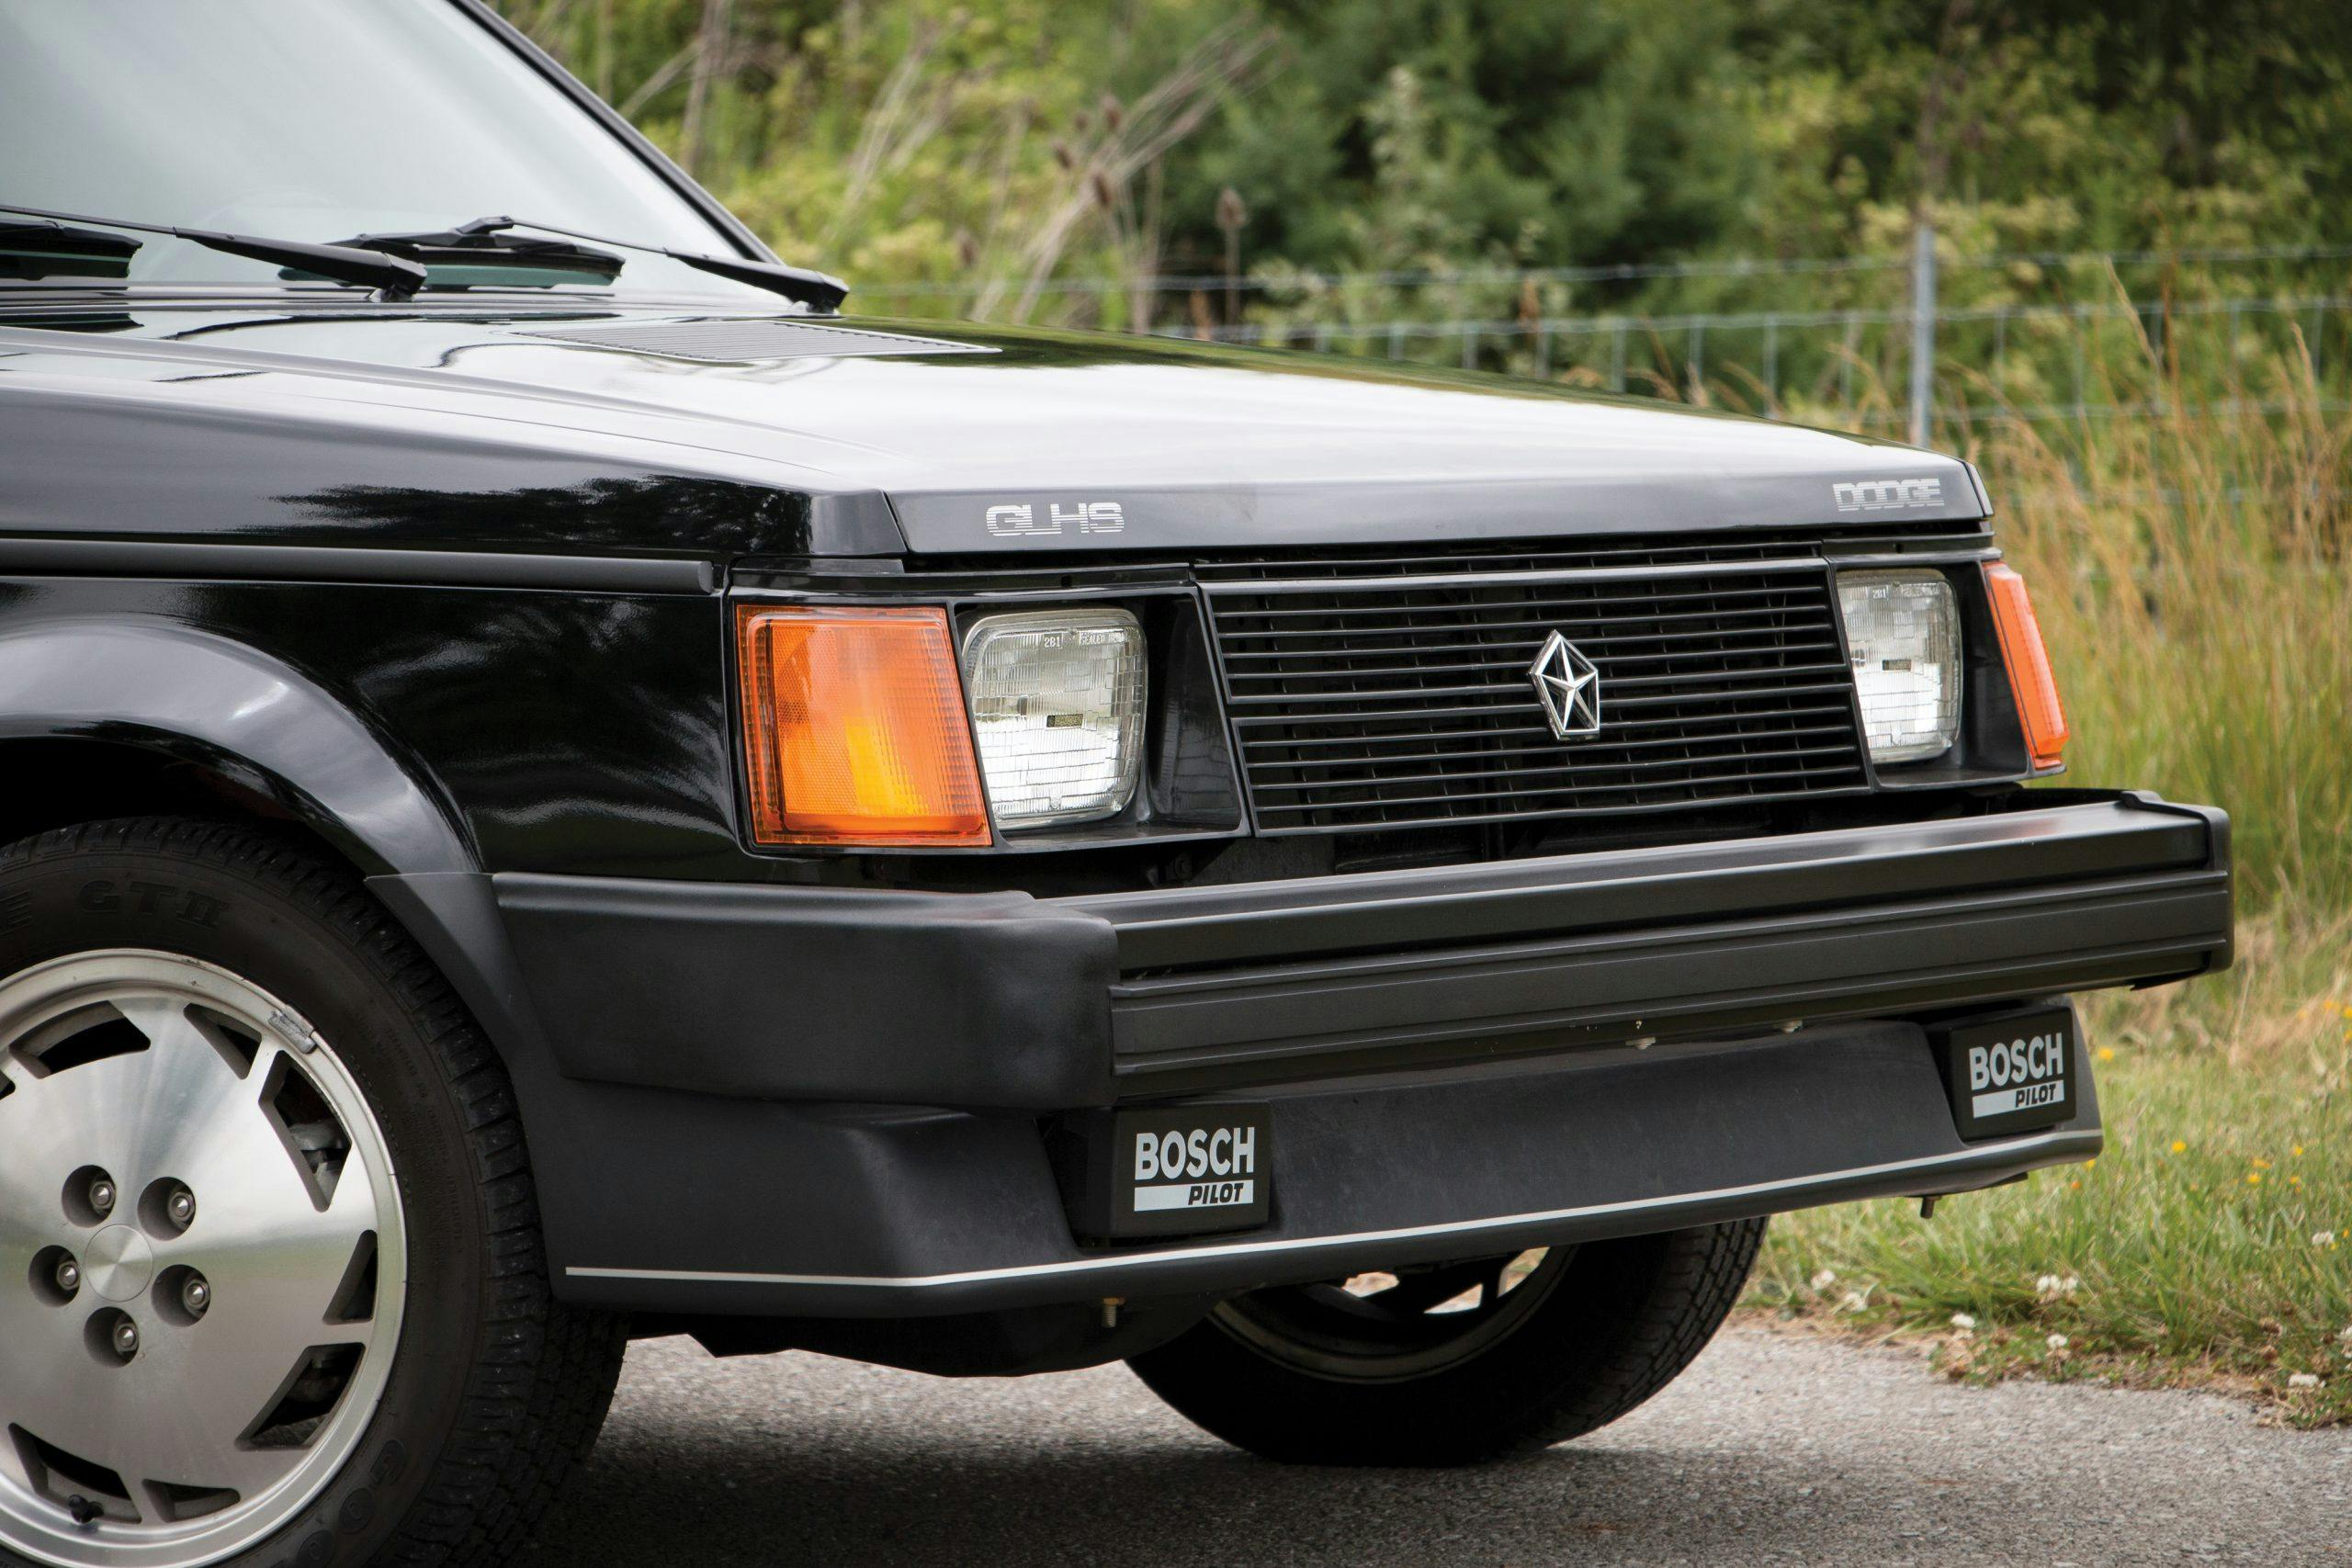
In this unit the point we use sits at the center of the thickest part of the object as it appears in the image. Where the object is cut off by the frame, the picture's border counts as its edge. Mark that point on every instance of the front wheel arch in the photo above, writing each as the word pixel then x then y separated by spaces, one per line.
pixel 197 714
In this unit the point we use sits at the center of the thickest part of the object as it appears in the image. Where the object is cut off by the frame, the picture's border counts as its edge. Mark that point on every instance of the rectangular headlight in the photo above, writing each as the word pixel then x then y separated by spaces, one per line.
pixel 1057 702
pixel 1903 628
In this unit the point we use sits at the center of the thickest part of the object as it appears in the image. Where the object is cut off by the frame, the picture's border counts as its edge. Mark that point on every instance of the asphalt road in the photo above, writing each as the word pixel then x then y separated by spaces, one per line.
pixel 1770 1450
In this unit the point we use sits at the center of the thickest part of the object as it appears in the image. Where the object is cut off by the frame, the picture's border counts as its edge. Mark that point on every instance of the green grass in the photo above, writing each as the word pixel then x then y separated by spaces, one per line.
pixel 2190 573
pixel 2192 1238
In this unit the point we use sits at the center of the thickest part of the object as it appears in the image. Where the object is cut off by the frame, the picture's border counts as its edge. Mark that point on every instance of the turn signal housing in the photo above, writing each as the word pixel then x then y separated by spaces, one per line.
pixel 2030 677
pixel 854 730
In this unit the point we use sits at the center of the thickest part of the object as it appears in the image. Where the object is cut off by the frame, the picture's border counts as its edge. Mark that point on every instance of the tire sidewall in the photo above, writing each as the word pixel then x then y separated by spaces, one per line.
pixel 1578 1361
pixel 144 895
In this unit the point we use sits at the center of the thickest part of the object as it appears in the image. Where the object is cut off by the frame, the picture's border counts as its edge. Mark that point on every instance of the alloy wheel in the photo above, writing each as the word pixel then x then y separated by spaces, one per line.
pixel 1380 1327
pixel 202 1263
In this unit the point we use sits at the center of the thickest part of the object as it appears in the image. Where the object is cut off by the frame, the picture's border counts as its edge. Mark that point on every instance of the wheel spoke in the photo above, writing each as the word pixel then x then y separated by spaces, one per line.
pixel 1414 1294
pixel 46 1352
pixel 193 1099
pixel 1408 1328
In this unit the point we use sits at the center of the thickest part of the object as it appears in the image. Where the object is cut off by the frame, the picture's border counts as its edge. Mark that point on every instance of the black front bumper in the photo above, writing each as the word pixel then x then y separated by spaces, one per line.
pixel 1004 1002
pixel 808 1102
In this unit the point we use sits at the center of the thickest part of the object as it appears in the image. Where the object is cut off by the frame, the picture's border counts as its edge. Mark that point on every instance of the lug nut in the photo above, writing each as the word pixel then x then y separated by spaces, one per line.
pixel 181 1207
pixel 102 1196
pixel 69 1275
pixel 126 1340
pixel 195 1295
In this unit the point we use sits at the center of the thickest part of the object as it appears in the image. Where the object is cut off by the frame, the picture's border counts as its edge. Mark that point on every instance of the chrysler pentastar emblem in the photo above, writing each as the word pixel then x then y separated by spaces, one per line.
pixel 1569 686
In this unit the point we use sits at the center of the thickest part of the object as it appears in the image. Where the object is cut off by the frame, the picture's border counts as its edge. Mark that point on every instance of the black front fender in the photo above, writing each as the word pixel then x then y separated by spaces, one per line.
pixel 198 698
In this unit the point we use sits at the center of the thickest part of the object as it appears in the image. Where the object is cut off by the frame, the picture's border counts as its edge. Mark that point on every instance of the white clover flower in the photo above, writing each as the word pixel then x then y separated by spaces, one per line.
pixel 2344 1334
pixel 1824 1279
pixel 1853 1300
pixel 2055 1287
pixel 2322 1238
pixel 1964 1322
pixel 2304 1380
pixel 2058 1342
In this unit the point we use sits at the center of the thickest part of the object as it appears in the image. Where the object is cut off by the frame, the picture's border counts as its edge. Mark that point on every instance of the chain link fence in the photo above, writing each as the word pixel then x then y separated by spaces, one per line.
pixel 2022 335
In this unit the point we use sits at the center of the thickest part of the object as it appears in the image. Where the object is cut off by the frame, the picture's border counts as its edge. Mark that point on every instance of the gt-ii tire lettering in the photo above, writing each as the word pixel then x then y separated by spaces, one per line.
pixel 139 897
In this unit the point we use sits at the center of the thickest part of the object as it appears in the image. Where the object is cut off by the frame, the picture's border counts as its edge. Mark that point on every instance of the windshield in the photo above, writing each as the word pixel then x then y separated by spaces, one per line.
pixel 299 120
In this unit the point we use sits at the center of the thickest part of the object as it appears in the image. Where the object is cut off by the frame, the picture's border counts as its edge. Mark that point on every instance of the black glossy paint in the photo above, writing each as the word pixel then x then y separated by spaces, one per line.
pixel 452 425
pixel 502 549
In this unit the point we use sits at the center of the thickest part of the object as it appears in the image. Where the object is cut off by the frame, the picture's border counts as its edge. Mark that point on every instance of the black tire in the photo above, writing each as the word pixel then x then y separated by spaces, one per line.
pixel 494 1392
pixel 1308 1375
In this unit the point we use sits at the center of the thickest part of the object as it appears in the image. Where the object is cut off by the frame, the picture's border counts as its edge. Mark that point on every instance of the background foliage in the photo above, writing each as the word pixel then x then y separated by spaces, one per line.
pixel 948 140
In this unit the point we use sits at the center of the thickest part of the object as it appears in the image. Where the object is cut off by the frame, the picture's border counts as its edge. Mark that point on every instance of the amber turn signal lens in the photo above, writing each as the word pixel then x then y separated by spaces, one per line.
pixel 855 730
pixel 2029 661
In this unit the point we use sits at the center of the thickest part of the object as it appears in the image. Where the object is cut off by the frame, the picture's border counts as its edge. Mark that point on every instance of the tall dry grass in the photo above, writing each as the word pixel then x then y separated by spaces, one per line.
pixel 2189 571
pixel 2187 544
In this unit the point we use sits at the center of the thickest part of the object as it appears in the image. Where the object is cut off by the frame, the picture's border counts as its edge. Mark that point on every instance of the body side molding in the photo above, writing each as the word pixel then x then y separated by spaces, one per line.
pixel 340 563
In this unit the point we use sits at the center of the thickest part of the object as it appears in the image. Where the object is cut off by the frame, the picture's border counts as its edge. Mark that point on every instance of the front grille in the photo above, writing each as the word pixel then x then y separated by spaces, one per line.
pixel 1368 700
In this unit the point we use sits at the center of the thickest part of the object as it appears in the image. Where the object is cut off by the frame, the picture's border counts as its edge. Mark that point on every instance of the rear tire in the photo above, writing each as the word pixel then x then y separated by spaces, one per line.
pixel 1456 1365
pixel 306 1122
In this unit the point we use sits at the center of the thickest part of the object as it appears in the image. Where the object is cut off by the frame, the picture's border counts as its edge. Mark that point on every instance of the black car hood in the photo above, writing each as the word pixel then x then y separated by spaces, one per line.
pixel 956 439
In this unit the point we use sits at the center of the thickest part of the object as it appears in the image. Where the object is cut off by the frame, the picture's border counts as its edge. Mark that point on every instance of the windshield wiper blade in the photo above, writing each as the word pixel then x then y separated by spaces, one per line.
pixel 47 250
pixel 394 277
pixel 470 246
pixel 818 290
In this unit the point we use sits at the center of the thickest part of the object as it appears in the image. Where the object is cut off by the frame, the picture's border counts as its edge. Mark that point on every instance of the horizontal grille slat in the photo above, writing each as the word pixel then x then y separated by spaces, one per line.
pixel 1628 605
pixel 1678 726
pixel 1621 639
pixel 1533 772
pixel 1541 753
pixel 1515 689
pixel 1738 784
pixel 1539 625
pixel 1398 693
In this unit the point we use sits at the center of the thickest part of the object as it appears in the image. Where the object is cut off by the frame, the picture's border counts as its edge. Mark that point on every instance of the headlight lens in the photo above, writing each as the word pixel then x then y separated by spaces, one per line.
pixel 1903 631
pixel 1057 705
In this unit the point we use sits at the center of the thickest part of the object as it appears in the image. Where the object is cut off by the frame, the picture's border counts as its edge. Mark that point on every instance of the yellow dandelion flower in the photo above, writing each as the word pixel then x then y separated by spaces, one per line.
pixel 2294 1181
pixel 2254 1179
pixel 2261 1164
pixel 2107 1053
pixel 2179 1145
pixel 2299 1151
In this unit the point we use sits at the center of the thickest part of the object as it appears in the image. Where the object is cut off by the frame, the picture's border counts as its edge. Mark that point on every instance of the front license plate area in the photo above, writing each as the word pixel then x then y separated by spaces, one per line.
pixel 1180 1170
pixel 2011 1073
